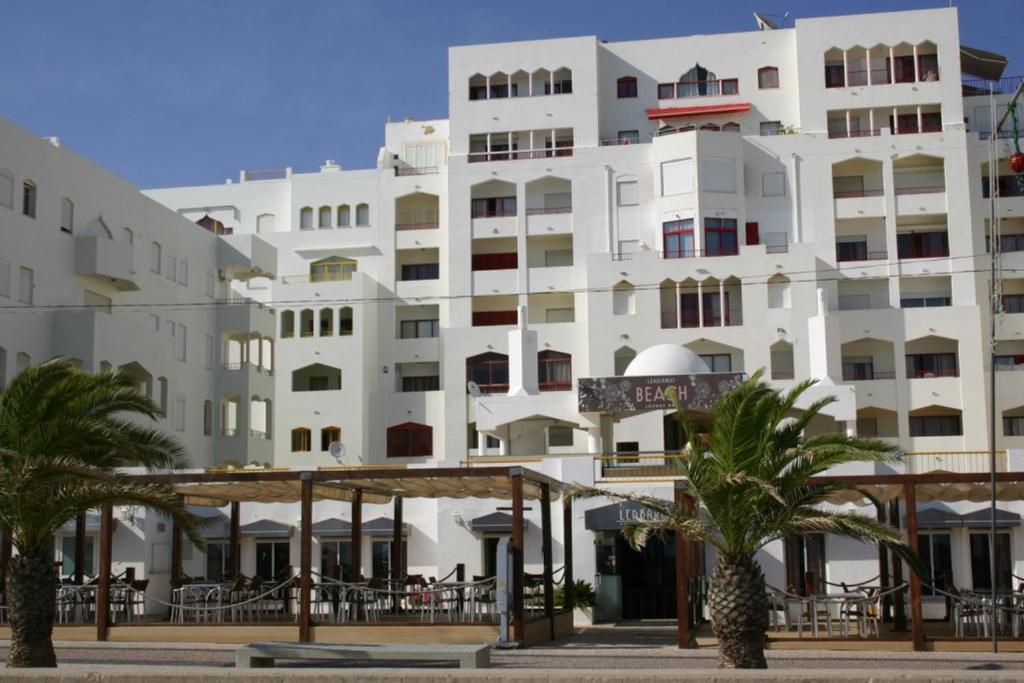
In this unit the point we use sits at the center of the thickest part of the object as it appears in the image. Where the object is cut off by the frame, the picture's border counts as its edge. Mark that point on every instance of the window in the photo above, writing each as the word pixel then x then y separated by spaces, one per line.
pixel 804 558
pixel 626 87
pixel 628 137
pixel 559 437
pixel 931 365
pixel 554 371
pixel 28 199
pixel 922 244
pixel 421 383
pixel 926 301
pixel 717 362
pixel 301 440
pixel 179 413
pixel 155 257
pixel 344 216
pixel 981 562
pixel 834 75
pixel 183 271
pixel 935 425
pixel 171 267
pixel 332 269
pixel 25 285
pixel 936 553
pixel 928 67
pixel 6 189
pixel 324 220
pixel 306 218
pixel 336 559
pixel 767 77
pixel 771 128
pixel 67 556
pixel 362 214
pixel 677 238
pixel 207 418
pixel 180 342
pixel 730 127
pixel 627 193
pixel 420 271
pixel 67 215
pixel 345 324
pixel 272 559
pixel 410 440
pixel 720 237
pixel 560 315
pixel 773 184
pixel 218 561
pixel 5 278
pixel 381 559
pixel 554 258
pixel 676 177
pixel 489 371
pixel 1013 426
pixel 418 329
pixel 329 435
pixel 491 207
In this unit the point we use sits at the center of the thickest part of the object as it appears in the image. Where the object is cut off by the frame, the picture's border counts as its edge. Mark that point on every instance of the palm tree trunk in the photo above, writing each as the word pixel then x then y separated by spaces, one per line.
pixel 739 612
pixel 31 602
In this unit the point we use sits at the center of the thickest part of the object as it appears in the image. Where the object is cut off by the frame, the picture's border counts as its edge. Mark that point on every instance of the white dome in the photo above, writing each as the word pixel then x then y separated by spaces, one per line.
pixel 666 359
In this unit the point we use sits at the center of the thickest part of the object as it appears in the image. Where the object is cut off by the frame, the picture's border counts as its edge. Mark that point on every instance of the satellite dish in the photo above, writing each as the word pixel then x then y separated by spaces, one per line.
pixel 337 450
pixel 474 389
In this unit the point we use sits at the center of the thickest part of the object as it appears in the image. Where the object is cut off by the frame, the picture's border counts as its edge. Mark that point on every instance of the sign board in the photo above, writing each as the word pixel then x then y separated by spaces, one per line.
pixel 617 515
pixel 622 394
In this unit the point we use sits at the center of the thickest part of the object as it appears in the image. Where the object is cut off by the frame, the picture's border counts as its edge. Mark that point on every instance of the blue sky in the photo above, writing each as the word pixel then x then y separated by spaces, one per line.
pixel 186 92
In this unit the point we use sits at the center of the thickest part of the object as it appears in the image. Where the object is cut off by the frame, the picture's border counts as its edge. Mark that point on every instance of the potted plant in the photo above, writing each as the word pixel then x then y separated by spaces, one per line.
pixel 582 602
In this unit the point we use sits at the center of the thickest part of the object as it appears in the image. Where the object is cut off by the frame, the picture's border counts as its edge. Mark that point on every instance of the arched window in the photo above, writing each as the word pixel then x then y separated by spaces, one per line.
pixel 332 269
pixel 623 298
pixel 779 295
pixel 623 357
pixel 301 440
pixel 554 371
pixel 287 324
pixel 626 87
pixel 344 216
pixel 67 215
pixel 326 322
pixel 265 223
pixel 489 371
pixel 345 325
pixel 410 440
pixel 710 126
pixel 731 127
pixel 324 220
pixel 767 77
pixel 306 328
pixel 362 214
pixel 28 198
pixel 329 435
pixel 155 257
pixel 306 218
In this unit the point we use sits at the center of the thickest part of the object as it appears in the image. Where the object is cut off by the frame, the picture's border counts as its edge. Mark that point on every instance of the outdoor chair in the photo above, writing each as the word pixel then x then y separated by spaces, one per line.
pixel 968 614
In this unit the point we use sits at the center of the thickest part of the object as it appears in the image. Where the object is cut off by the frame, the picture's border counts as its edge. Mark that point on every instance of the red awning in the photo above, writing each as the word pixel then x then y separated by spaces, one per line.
pixel 702 110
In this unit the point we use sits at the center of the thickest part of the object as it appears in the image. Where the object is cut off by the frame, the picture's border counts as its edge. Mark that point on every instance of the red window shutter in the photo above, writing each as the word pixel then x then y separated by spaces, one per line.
pixel 752 233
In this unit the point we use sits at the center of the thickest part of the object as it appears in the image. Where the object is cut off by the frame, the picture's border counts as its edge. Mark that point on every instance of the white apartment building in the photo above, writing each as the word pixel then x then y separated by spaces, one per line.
pixel 808 200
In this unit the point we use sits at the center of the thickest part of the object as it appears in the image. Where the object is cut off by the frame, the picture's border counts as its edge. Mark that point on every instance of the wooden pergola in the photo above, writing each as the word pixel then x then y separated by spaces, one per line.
pixel 885 488
pixel 369 485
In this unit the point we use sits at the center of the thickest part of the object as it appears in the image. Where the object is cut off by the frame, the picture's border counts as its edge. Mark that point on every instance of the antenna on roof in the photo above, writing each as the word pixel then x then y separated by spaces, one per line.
pixel 764 23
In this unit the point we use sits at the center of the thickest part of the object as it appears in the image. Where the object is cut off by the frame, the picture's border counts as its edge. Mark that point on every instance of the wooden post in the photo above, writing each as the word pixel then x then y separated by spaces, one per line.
pixel 684 570
pixel 235 546
pixel 899 613
pixel 357 535
pixel 518 611
pixel 883 568
pixel 177 574
pixel 396 555
pixel 916 614
pixel 103 592
pixel 545 531
pixel 567 576
pixel 79 577
pixel 306 558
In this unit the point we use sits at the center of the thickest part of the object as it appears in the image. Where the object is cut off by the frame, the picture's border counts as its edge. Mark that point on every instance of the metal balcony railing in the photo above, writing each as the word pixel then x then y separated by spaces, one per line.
pixel 415 170
pixel 959 462
pixel 646 466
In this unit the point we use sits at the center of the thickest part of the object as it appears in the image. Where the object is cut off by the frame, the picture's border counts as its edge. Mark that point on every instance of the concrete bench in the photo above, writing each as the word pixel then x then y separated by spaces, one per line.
pixel 262 655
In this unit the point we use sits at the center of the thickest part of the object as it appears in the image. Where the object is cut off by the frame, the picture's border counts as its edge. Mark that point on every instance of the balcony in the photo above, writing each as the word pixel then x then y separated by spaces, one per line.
pixel 847 252
pixel 637 467
pixel 958 462
pixel 106 260
pixel 691 89
pixel 307 278
pixel 866 374
pixel 699 253
pixel 415 170
pixel 551 221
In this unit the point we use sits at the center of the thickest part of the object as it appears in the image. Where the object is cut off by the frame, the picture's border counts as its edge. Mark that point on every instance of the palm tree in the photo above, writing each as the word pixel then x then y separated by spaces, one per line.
pixel 63 433
pixel 749 479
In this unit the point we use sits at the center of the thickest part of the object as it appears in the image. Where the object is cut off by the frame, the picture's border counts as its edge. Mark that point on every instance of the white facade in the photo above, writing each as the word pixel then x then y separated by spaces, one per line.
pixel 806 200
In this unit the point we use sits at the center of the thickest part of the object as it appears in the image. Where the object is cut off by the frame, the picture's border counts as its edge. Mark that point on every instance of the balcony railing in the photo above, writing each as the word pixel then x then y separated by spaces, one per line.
pixel 343 276
pixel 231 365
pixel 697 253
pixel 229 431
pixel 849 194
pixel 863 133
pixel 256 434
pixel 925 128
pixel 783 374
pixel 493 213
pixel 549 211
pixel 855 255
pixel 429 225
pixel 555 386
pixel 638 466
pixel 688 89
pixel 928 189
pixel 929 374
pixel 520 155
pixel 493 388
pixel 1003 86
pixel 415 170
pixel 867 375
pixel 923 252
pixel 776 249
pixel 959 462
